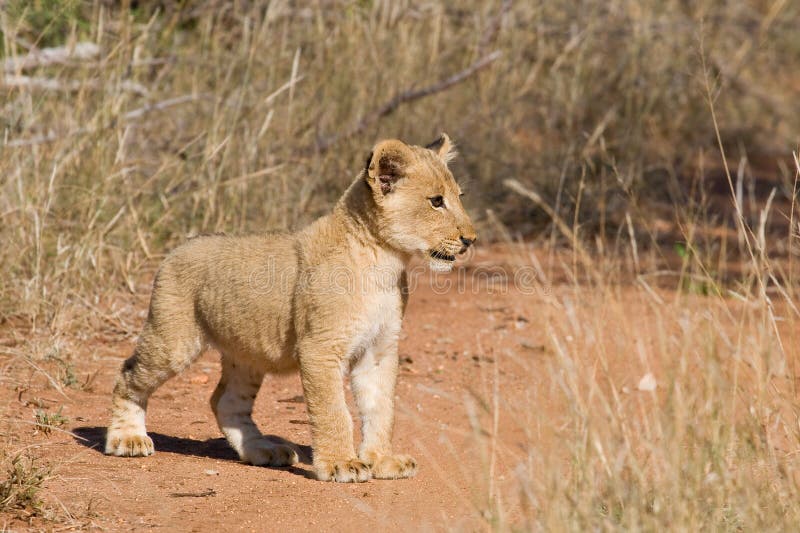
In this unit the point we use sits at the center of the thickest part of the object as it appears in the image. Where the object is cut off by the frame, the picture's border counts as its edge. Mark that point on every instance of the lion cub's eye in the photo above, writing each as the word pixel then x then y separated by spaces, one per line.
pixel 437 201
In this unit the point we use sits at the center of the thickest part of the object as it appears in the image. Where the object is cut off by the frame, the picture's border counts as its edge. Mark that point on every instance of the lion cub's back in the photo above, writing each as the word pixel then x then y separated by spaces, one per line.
pixel 239 288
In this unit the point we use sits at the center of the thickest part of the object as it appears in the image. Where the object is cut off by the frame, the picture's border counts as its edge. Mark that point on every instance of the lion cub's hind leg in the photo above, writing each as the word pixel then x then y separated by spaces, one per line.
pixel 159 355
pixel 232 403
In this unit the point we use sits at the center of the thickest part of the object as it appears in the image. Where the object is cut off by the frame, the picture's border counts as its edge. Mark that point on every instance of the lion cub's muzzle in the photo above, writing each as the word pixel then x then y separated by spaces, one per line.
pixel 465 242
pixel 443 256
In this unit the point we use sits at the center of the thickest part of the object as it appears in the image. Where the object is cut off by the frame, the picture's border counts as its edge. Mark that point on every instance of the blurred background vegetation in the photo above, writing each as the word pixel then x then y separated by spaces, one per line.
pixel 129 126
pixel 248 116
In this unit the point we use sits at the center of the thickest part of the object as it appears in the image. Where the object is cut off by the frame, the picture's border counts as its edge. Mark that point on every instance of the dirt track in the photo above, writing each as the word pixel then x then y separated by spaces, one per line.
pixel 497 375
pixel 451 348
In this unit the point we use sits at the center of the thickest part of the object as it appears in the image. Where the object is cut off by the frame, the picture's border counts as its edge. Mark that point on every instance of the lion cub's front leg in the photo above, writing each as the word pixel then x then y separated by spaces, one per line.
pixel 331 425
pixel 373 380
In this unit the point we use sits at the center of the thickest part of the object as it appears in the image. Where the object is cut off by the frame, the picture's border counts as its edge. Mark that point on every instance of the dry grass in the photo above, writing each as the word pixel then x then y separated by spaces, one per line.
pixel 251 116
pixel 20 491
pixel 713 447
pixel 667 410
pixel 46 421
pixel 212 118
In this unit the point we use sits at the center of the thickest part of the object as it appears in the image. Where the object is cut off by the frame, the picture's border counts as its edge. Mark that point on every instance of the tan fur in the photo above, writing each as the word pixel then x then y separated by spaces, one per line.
pixel 328 300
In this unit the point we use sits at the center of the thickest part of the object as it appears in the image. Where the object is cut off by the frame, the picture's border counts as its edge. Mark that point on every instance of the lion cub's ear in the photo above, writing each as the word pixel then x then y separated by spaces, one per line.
pixel 387 164
pixel 444 147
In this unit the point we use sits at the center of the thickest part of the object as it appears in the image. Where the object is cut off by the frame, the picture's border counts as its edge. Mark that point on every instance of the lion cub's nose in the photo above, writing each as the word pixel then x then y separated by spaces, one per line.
pixel 466 241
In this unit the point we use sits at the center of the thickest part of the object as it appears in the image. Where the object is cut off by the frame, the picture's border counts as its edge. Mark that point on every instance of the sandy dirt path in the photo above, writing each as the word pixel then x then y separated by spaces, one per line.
pixel 451 353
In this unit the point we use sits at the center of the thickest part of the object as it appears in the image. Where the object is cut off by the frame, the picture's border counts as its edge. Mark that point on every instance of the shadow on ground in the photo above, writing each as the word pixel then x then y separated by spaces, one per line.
pixel 94 437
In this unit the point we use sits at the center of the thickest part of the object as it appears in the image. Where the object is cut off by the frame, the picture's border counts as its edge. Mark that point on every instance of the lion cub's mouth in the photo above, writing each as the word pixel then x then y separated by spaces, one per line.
pixel 441 261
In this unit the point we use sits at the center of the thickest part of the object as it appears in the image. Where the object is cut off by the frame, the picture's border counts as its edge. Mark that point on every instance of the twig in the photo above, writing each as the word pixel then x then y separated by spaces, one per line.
pixel 46 84
pixel 493 27
pixel 408 96
pixel 288 85
pixel 48 56
pixel 49 84
pixel 732 76
pixel 129 116
pixel 48 426
pixel 203 494
pixel 42 139
pixel 55 384
pixel 158 106
pixel 520 189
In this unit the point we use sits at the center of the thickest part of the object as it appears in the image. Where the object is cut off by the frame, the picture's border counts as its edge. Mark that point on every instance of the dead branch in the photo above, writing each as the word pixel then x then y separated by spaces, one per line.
pixel 407 96
pixel 83 51
pixel 129 116
pixel 13 81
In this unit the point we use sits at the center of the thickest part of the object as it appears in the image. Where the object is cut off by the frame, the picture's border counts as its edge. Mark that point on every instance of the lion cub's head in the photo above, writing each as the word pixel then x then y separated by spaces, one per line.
pixel 419 201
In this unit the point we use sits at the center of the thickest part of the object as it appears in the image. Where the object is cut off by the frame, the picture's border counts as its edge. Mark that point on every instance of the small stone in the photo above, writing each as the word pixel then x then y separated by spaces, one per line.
pixel 647 383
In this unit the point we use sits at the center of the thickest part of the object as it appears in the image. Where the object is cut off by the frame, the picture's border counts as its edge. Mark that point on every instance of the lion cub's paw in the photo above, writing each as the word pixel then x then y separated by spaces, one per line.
pixel 392 466
pixel 128 444
pixel 350 471
pixel 268 454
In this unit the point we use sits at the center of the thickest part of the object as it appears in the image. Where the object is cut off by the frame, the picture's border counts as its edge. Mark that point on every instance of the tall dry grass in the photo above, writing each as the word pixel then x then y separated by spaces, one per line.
pixel 660 409
pixel 713 447
pixel 202 117
pixel 253 116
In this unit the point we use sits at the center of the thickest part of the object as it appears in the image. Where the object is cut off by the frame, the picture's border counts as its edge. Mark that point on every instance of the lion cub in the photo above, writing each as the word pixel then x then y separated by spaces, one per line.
pixel 328 300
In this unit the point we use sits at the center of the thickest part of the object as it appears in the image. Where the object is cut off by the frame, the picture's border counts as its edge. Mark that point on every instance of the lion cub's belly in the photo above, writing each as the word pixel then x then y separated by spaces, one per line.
pixel 260 330
pixel 257 332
